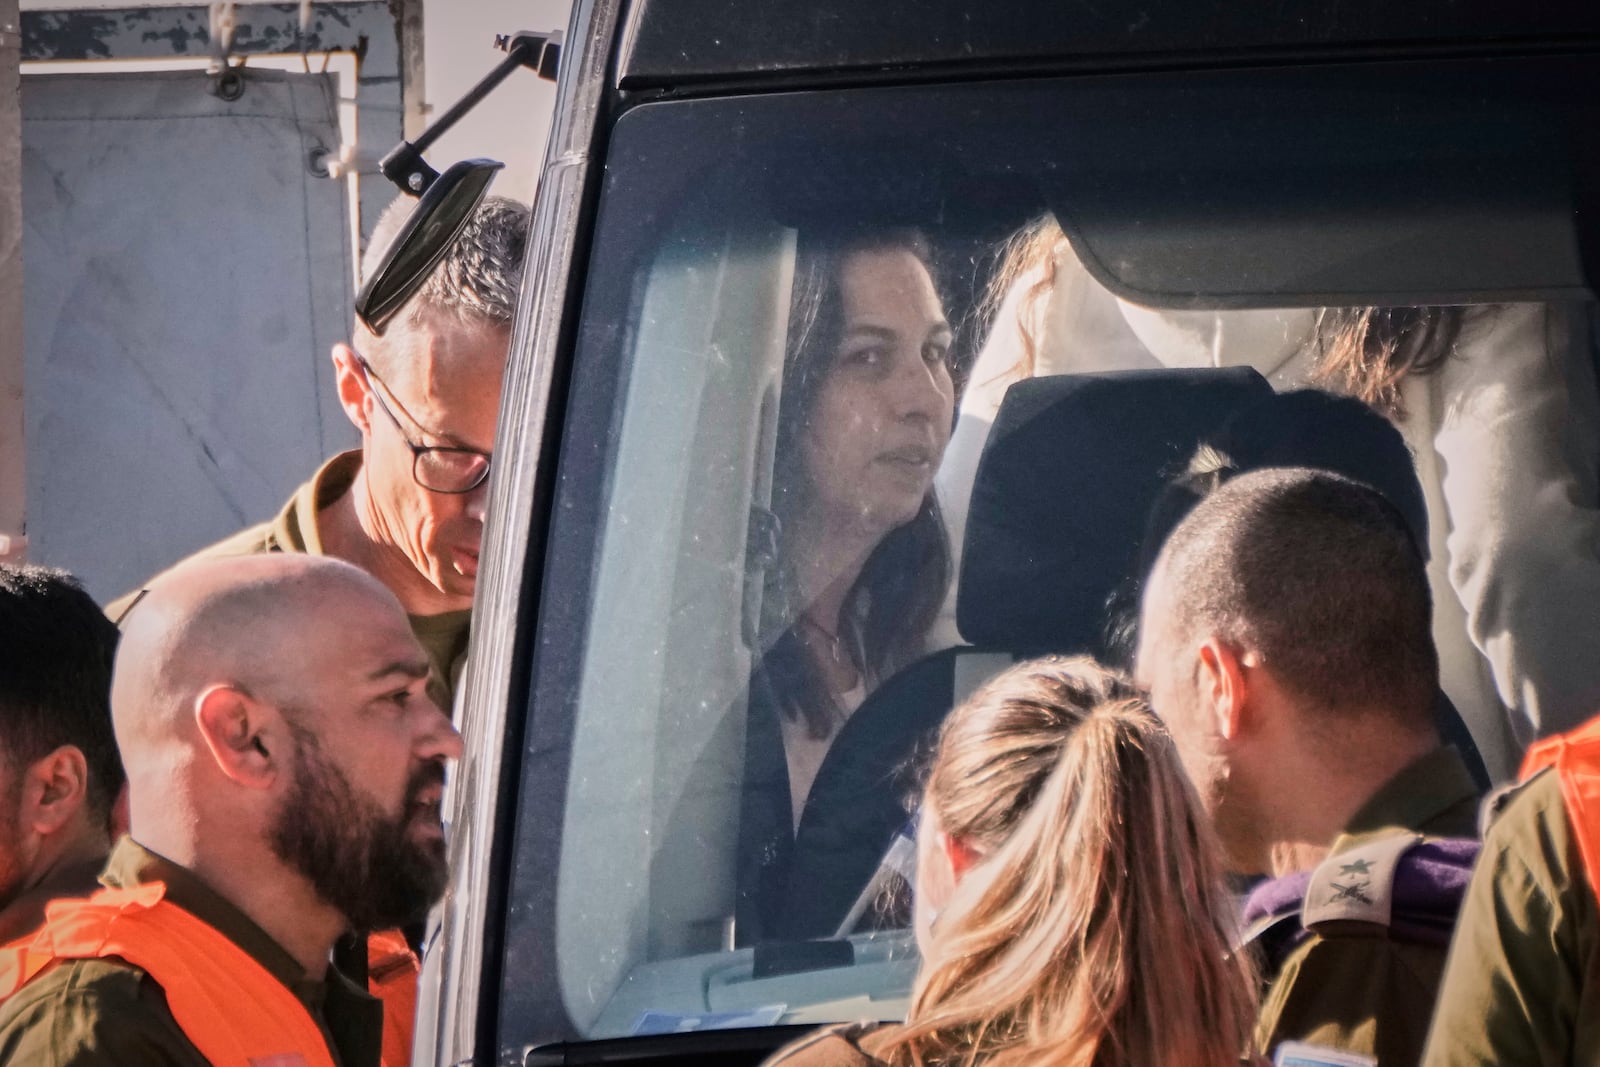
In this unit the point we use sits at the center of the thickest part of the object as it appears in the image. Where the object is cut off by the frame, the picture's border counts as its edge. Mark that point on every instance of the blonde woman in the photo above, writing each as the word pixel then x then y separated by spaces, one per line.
pixel 1070 905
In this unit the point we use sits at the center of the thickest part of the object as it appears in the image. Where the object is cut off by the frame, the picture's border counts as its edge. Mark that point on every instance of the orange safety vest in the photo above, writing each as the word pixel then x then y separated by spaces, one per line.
pixel 1576 758
pixel 392 977
pixel 227 1004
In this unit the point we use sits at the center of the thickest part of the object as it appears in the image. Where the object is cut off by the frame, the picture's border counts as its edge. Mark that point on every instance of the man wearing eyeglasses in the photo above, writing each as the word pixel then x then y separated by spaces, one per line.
pixel 408 505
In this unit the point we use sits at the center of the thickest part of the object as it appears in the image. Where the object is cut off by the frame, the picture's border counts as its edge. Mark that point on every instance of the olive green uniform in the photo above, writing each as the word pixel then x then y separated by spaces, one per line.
pixel 108 1013
pixel 25 914
pixel 443 637
pixel 1523 982
pixel 1350 987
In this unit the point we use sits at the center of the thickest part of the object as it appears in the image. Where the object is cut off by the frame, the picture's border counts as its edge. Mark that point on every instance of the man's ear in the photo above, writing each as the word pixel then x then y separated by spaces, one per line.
pixel 55 788
pixel 351 383
pixel 245 736
pixel 1225 686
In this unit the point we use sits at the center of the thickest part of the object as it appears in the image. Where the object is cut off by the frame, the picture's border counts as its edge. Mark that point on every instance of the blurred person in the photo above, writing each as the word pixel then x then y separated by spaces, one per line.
pixel 1499 405
pixel 1285 640
pixel 60 776
pixel 1522 984
pixel 285 770
pixel 862 562
pixel 408 505
pixel 1070 904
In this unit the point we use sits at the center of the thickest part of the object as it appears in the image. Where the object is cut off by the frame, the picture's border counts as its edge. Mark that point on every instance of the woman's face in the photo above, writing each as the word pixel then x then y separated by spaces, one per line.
pixel 881 418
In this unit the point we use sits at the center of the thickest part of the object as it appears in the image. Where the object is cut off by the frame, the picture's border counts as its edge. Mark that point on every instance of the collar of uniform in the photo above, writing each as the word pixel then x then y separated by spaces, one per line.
pixel 1427 796
pixel 296 528
pixel 25 914
pixel 351 1017
pixel 444 624
pixel 132 864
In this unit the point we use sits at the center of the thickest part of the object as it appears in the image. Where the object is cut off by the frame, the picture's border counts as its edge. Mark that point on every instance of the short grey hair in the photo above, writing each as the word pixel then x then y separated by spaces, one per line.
pixel 477 281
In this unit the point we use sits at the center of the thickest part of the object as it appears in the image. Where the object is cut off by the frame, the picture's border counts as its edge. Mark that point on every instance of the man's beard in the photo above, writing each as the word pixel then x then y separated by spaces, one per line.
pixel 360 860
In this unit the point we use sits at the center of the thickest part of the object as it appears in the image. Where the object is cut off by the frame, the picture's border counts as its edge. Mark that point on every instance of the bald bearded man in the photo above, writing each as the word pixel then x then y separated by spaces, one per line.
pixel 285 769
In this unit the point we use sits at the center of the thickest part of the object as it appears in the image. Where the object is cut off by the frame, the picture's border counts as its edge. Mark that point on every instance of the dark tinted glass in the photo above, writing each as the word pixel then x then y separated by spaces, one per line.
pixel 1204 224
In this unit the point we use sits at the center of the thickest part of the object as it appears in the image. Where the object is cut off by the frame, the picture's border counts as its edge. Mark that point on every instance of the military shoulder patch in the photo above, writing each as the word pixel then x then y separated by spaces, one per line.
pixel 1357 885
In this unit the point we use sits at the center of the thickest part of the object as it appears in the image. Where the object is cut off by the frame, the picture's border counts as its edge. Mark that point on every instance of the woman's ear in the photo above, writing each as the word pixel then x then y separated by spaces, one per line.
pixel 244 735
pixel 55 789
pixel 959 854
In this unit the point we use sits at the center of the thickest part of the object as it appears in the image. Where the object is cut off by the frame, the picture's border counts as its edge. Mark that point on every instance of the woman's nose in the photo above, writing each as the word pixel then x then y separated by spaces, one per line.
pixel 920 388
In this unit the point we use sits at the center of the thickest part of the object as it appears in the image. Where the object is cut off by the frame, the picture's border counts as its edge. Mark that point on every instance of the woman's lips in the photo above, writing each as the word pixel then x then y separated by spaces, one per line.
pixel 466 562
pixel 909 456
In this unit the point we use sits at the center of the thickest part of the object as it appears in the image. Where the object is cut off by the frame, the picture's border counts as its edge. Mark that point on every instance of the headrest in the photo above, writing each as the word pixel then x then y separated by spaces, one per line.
pixel 1314 428
pixel 1063 494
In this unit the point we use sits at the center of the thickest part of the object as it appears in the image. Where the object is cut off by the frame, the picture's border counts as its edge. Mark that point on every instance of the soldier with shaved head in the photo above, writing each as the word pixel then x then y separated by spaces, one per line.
pixel 285 770
pixel 1286 640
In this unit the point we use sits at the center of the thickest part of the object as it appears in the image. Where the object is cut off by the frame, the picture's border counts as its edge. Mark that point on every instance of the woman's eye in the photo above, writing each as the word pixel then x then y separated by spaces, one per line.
pixel 933 352
pixel 866 357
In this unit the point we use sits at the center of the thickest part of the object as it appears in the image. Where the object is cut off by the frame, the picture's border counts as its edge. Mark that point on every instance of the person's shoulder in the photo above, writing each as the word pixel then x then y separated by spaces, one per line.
pixel 1530 811
pixel 1530 839
pixel 831 1046
pixel 252 540
pixel 88 1013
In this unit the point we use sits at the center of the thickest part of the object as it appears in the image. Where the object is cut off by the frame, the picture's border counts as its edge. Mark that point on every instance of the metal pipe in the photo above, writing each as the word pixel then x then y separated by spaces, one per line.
pixel 405 166
pixel 13 473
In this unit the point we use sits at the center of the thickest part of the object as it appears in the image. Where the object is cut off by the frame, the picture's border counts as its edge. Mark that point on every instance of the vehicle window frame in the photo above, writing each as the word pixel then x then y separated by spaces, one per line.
pixel 636 209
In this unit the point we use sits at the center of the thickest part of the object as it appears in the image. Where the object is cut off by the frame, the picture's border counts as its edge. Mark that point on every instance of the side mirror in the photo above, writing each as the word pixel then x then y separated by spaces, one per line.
pixel 442 212
pixel 446 201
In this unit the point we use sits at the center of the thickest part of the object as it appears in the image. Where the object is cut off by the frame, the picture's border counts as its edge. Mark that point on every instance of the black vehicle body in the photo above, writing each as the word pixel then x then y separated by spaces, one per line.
pixel 1363 118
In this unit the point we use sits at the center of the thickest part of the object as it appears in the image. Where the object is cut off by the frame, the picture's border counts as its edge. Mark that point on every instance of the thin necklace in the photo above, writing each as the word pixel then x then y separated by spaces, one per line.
pixel 836 647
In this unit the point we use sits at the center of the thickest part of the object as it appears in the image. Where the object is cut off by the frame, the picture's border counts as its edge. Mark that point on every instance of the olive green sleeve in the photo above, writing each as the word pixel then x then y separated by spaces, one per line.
pixel 84 1015
pixel 1516 972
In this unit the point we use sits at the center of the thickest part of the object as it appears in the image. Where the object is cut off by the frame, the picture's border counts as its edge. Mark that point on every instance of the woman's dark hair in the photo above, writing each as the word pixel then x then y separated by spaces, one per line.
pixel 897 595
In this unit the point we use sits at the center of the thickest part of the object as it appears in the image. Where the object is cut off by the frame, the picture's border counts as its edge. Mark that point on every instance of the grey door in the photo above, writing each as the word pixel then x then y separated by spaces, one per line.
pixel 185 274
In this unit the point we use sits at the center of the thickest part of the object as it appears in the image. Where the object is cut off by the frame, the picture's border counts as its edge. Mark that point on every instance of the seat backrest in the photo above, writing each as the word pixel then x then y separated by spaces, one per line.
pixel 1064 489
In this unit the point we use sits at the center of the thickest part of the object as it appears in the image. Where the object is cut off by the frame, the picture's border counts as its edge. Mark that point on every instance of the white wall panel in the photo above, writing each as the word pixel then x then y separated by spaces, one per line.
pixel 186 275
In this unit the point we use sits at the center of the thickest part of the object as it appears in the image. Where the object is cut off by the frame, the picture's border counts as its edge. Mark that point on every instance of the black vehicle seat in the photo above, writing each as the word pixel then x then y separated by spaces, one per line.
pixel 1063 493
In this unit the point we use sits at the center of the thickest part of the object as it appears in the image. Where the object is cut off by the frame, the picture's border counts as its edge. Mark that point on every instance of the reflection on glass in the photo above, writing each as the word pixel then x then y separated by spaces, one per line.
pixel 807 373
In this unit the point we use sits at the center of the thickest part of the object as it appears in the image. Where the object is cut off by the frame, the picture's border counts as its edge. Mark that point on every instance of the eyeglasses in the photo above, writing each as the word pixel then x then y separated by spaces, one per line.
pixel 438 469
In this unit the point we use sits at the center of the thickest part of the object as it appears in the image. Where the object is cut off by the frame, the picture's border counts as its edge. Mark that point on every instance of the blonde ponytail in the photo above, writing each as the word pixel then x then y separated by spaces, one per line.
pixel 1095 931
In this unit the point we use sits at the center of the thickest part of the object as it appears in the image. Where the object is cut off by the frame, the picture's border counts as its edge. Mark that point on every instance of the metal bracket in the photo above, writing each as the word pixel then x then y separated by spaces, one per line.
pixel 538 52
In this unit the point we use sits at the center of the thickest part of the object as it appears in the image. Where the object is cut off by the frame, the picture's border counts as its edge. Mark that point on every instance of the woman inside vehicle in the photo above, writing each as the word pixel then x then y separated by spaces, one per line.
pixel 865 413
pixel 1070 904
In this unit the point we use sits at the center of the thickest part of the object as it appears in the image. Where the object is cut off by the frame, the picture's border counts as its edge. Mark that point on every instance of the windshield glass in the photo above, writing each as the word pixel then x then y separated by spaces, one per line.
pixel 857 420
